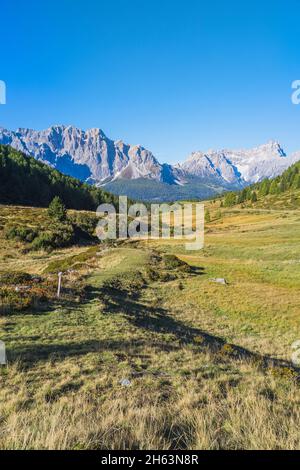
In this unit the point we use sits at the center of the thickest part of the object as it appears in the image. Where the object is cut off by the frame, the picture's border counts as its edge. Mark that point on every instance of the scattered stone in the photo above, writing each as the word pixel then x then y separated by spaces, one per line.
pixel 22 288
pixel 125 383
pixel 220 280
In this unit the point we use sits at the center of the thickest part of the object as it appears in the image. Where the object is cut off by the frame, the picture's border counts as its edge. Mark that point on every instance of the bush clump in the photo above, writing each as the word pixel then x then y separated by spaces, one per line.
pixel 20 290
pixel 10 300
pixel 60 236
pixel 15 277
pixel 173 263
pixel 85 222
pixel 19 233
pixel 72 262
pixel 60 231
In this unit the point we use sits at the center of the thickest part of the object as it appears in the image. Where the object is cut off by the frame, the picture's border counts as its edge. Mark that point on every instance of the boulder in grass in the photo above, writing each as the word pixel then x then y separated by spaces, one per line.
pixel 125 383
pixel 220 280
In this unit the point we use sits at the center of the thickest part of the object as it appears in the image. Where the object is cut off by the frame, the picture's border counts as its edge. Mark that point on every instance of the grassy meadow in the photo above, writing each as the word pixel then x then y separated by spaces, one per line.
pixel 206 366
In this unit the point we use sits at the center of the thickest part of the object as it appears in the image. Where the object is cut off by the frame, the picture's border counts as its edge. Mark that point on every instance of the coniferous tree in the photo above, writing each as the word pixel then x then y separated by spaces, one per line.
pixel 57 210
pixel 254 197
pixel 207 216
pixel 25 181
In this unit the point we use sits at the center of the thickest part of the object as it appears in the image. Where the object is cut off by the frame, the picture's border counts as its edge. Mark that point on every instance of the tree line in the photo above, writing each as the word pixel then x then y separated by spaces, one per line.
pixel 289 180
pixel 26 181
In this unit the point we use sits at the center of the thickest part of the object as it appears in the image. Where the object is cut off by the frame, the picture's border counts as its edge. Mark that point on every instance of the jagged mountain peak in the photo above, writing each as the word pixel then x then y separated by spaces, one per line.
pixel 89 155
pixel 272 146
pixel 242 166
pixel 93 157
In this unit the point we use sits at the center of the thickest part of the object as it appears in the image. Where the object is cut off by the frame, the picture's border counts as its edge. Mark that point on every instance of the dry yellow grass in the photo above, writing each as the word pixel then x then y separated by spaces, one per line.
pixel 197 414
pixel 196 353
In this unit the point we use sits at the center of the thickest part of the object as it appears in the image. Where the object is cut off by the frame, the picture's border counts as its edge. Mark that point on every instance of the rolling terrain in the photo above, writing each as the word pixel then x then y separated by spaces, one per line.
pixel 143 350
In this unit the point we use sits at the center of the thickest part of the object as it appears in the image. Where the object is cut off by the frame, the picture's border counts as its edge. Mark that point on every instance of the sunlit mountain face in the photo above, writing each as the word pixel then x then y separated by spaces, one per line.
pixel 133 170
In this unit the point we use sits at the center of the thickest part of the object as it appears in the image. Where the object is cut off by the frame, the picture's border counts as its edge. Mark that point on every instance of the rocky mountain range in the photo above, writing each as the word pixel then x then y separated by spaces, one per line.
pixel 133 170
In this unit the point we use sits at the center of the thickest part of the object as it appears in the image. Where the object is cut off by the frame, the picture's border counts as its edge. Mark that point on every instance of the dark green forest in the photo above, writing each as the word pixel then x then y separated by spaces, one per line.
pixel 25 181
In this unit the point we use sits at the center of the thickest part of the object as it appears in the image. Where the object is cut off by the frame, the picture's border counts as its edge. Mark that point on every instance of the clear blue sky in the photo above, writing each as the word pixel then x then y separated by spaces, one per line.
pixel 174 76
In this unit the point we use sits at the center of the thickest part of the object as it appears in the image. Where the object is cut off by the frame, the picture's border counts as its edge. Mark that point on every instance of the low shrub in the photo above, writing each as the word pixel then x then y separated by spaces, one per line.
pixel 11 300
pixel 72 262
pixel 85 222
pixel 15 278
pixel 173 263
pixel 19 233
pixel 152 274
pixel 130 285
pixel 14 300
pixel 60 236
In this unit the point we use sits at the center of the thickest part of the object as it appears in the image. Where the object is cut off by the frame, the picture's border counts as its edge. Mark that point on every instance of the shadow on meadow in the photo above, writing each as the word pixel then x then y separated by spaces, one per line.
pixel 159 320
pixel 123 296
pixel 29 354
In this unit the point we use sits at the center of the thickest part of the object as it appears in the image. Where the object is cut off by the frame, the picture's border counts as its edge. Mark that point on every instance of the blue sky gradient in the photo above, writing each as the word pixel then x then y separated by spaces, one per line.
pixel 174 76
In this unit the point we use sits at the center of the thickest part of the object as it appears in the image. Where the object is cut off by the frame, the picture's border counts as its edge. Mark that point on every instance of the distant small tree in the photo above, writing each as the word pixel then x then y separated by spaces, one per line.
pixel 297 182
pixel 264 187
pixel 254 197
pixel 57 210
pixel 274 187
pixel 283 185
pixel 230 200
pixel 218 214
pixel 207 216
pixel 240 197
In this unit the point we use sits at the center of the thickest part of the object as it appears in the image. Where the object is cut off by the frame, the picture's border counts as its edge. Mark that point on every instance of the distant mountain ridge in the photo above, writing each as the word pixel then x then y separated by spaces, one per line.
pixel 94 158
pixel 88 155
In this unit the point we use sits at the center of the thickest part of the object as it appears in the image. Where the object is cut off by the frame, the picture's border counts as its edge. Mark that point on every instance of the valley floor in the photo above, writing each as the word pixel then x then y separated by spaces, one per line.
pixel 157 357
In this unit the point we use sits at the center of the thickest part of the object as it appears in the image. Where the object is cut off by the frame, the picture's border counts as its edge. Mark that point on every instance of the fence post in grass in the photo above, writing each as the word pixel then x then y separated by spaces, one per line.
pixel 59 284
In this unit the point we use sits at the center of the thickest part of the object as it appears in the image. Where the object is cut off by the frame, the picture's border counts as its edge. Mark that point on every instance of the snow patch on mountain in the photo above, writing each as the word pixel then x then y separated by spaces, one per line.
pixel 240 166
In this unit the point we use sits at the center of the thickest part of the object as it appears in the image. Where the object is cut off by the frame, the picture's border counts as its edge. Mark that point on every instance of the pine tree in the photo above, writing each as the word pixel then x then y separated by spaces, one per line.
pixel 264 188
pixel 274 187
pixel 254 197
pixel 296 182
pixel 207 216
pixel 57 210
pixel 218 214
pixel 230 200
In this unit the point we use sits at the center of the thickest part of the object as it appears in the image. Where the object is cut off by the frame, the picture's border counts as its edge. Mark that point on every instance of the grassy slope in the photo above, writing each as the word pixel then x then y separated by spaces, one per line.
pixel 259 255
pixel 190 388
pixel 288 200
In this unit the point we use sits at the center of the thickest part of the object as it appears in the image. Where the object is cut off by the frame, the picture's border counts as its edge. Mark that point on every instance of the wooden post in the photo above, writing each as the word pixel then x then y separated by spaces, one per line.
pixel 59 284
